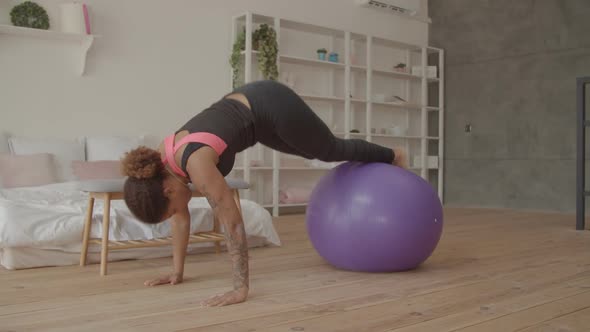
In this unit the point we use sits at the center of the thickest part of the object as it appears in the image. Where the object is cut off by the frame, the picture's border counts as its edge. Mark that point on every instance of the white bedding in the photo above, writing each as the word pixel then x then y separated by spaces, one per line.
pixel 51 218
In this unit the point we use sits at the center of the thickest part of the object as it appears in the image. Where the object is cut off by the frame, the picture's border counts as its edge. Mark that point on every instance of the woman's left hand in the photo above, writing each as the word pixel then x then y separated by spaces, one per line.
pixel 231 297
pixel 401 158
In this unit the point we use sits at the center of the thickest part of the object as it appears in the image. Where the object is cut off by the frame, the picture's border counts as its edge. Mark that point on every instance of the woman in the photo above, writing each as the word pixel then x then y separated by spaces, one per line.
pixel 203 152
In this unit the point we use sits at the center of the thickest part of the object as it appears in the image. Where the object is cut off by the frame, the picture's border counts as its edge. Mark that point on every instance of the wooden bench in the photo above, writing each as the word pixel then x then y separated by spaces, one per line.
pixel 109 190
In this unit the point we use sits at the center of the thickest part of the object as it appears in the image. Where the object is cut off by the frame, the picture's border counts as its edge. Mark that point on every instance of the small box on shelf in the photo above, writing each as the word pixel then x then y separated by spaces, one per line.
pixel 431 161
pixel 315 163
pixel 431 71
pixel 391 131
pixel 295 195
pixel 401 68
pixel 293 162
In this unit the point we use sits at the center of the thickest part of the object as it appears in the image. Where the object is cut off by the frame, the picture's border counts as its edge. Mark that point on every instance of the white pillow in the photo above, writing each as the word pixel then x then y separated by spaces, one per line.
pixel 4 143
pixel 64 152
pixel 110 147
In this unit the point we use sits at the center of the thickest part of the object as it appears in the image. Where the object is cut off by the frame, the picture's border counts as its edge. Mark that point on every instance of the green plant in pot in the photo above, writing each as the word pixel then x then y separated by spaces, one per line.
pixel 322 53
pixel 235 58
pixel 29 15
pixel 265 37
pixel 264 40
pixel 400 67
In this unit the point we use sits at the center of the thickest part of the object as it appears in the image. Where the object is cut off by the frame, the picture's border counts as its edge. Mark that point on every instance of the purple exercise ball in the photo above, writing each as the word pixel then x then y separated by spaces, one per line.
pixel 374 217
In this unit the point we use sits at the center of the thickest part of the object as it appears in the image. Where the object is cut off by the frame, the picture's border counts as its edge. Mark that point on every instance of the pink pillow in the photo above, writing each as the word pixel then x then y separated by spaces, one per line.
pixel 27 170
pixel 96 170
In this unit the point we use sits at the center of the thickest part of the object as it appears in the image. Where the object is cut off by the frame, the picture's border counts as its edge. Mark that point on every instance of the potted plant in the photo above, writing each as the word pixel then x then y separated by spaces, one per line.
pixel 333 57
pixel 264 40
pixel 235 58
pixel 322 53
pixel 30 15
pixel 401 67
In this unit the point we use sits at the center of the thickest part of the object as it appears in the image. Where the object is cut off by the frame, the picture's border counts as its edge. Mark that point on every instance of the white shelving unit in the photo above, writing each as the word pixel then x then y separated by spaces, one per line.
pixel 85 41
pixel 354 94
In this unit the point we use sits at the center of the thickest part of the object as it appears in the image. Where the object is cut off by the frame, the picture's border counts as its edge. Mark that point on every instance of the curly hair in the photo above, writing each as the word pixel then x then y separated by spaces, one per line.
pixel 144 187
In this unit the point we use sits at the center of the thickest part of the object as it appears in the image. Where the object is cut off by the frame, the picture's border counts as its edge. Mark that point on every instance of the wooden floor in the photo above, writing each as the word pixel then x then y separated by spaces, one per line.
pixel 493 271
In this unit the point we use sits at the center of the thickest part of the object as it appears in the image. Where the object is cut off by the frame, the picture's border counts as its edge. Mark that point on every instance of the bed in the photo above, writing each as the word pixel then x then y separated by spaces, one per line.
pixel 42 226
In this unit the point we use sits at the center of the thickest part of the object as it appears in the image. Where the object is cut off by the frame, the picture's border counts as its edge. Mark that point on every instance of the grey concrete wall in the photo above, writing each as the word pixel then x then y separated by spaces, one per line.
pixel 511 67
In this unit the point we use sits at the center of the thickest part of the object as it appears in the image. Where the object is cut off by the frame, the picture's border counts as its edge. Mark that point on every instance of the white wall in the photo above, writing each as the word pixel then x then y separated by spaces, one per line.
pixel 156 64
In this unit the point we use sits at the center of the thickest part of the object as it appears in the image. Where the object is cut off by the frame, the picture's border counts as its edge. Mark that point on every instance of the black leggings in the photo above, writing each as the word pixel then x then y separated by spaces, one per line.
pixel 284 122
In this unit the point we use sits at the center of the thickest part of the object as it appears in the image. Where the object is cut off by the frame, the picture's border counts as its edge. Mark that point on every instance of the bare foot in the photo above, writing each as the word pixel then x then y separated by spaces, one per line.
pixel 401 158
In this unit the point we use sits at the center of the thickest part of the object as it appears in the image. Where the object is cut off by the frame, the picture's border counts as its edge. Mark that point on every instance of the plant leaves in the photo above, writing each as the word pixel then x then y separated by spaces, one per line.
pixel 30 15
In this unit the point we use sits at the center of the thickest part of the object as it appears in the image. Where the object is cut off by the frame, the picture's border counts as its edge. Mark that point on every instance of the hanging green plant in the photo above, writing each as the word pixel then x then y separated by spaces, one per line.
pixel 239 46
pixel 30 15
pixel 264 40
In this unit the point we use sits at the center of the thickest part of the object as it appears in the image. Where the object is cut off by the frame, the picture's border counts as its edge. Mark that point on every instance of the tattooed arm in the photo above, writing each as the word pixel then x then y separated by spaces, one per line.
pixel 210 182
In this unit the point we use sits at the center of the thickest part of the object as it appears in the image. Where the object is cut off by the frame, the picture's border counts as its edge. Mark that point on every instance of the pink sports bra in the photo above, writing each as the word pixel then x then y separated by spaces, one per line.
pixel 205 138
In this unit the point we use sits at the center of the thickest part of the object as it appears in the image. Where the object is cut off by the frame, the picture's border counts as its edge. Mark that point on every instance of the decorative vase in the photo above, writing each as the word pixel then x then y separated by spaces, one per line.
pixel 333 57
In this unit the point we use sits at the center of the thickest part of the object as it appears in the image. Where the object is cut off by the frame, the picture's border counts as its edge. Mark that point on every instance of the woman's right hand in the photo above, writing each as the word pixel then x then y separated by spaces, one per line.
pixel 171 279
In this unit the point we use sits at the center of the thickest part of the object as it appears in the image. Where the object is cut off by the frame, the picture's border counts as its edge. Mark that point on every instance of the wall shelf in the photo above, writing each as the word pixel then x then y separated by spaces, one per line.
pixel 85 41
pixel 360 69
pixel 321 98
pixel 397 74
pixel 255 168
pixel 283 168
pixel 308 61
pixel 364 101
pixel 303 60
pixel 409 106
pixel 396 136
pixel 284 58
pixel 358 101
pixel 345 94
pixel 285 205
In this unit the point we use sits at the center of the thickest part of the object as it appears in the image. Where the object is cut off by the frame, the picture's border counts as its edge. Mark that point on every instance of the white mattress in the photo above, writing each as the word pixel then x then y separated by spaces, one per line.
pixel 42 226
